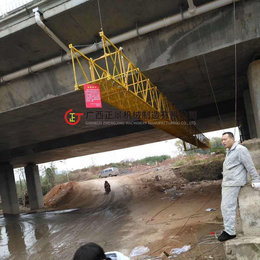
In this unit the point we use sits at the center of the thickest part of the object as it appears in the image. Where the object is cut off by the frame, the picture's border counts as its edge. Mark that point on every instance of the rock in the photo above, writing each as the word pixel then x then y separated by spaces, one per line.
pixel 158 178
pixel 164 256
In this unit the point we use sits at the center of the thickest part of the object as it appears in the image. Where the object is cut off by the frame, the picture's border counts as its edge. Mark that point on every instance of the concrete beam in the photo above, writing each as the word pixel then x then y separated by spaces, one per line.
pixel 163 47
pixel 182 41
pixel 34 187
pixel 224 107
pixel 24 18
pixel 77 139
pixel 8 190
pixel 243 248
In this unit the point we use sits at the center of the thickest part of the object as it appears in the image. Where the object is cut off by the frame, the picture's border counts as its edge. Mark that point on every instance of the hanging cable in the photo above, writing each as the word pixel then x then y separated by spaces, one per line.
pixel 234 17
pixel 100 17
pixel 207 70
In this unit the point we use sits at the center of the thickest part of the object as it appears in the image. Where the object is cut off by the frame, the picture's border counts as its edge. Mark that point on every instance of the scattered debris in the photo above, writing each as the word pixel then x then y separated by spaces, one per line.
pixel 209 239
pixel 139 250
pixel 174 194
pixel 169 198
pixel 179 251
pixel 164 255
pixel 158 178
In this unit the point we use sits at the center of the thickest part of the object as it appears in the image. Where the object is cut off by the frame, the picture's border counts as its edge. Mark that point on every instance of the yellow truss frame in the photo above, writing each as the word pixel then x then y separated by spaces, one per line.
pixel 125 87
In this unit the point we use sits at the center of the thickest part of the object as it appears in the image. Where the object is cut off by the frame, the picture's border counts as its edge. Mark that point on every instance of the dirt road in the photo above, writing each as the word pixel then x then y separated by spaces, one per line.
pixel 138 212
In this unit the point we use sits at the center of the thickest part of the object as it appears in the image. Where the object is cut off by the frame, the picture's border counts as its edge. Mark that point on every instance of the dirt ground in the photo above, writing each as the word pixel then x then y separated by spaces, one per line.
pixel 161 213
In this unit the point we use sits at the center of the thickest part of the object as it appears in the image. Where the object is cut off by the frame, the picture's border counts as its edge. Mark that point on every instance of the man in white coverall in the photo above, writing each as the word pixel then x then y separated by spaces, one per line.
pixel 237 164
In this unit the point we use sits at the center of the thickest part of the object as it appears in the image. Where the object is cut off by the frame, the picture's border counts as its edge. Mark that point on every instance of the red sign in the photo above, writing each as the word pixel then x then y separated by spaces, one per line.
pixel 92 96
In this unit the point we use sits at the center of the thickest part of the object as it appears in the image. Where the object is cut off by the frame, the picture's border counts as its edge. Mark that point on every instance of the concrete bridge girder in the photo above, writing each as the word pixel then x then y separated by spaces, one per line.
pixel 177 43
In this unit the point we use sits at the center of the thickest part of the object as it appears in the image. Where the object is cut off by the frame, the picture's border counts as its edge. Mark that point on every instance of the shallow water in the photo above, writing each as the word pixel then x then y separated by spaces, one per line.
pixel 58 234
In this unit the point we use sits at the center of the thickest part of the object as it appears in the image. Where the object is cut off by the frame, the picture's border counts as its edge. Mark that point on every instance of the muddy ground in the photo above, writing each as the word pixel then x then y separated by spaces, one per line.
pixel 160 213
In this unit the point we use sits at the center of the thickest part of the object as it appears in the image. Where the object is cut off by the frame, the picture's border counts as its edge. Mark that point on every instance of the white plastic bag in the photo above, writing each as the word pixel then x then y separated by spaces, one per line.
pixel 179 251
pixel 139 250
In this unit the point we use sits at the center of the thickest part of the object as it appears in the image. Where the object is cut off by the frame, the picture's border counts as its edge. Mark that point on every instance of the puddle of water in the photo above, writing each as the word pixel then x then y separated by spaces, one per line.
pixel 58 234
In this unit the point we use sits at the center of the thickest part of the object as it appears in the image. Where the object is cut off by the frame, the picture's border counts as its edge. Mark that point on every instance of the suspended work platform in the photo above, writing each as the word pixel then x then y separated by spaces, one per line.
pixel 123 86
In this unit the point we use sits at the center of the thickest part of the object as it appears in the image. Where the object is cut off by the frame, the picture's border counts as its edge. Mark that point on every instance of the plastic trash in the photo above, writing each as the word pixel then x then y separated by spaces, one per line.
pixel 179 251
pixel 139 250
pixel 210 209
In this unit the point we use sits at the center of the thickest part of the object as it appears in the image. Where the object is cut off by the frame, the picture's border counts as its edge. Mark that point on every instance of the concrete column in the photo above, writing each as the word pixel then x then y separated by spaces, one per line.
pixel 250 114
pixel 8 190
pixel 244 130
pixel 254 86
pixel 34 187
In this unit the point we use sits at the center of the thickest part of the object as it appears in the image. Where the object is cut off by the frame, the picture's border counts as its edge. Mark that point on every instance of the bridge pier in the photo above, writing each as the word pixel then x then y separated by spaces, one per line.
pixel 250 115
pixel 254 86
pixel 244 130
pixel 8 190
pixel 34 187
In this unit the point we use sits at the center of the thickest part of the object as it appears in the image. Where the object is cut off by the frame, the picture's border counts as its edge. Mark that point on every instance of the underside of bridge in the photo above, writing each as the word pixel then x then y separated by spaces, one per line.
pixel 33 129
pixel 190 62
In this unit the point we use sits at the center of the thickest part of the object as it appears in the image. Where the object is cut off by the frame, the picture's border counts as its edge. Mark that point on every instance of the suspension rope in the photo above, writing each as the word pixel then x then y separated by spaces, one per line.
pixel 100 17
pixel 207 70
pixel 234 21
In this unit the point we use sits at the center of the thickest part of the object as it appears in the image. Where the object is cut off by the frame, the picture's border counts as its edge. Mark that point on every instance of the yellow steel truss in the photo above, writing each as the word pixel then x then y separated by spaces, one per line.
pixel 123 86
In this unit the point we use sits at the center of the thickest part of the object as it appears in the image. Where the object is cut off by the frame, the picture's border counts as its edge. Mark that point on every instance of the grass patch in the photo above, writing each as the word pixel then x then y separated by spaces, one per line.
pixel 193 159
pixel 179 163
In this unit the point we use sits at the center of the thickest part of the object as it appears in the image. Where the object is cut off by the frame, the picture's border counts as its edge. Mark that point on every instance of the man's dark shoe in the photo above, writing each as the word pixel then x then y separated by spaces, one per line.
pixel 225 236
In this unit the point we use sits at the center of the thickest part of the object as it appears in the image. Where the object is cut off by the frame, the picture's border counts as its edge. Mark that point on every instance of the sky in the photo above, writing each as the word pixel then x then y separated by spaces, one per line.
pixel 136 153
pixel 9 5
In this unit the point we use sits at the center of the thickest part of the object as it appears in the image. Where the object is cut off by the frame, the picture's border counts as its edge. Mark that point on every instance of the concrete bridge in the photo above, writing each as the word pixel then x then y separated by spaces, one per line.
pixel 192 58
